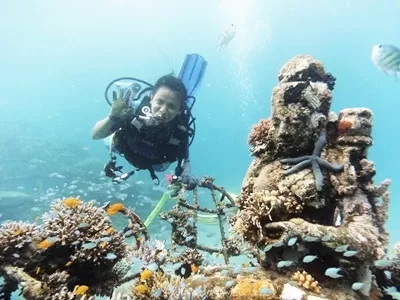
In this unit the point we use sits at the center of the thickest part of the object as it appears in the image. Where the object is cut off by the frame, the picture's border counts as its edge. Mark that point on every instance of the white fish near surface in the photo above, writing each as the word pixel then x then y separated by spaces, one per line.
pixel 387 59
pixel 226 36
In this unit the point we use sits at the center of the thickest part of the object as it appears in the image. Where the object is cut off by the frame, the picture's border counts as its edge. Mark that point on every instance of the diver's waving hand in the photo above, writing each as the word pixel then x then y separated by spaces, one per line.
pixel 121 109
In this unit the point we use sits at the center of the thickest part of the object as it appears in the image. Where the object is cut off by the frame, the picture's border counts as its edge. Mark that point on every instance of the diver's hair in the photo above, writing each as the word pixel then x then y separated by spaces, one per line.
pixel 174 84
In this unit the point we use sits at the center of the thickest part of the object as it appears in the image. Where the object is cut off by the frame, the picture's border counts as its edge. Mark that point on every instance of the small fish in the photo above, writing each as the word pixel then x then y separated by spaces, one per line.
pixel 226 36
pixel 81 290
pixel 229 284
pixel 326 238
pixel 311 239
pixel 387 59
pixel 114 208
pixel 309 258
pixel 357 285
pixel 68 263
pixel 72 202
pixel 388 274
pixel 292 241
pixel 277 244
pixel 267 248
pixel 284 263
pixel 350 253
pixel 157 293
pixel 83 225
pixel 146 274
pixel 384 262
pixel 89 245
pixel 104 239
pixel 110 256
pixel 266 291
pixel 333 272
pixel 341 248
pixel 189 238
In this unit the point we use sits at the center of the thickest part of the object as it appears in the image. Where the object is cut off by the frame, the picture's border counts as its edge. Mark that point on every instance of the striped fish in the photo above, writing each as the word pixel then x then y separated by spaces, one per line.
pixel 387 59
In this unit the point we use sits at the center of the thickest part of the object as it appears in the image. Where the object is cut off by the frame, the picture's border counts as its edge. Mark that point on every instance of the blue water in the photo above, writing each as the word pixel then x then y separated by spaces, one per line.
pixel 56 58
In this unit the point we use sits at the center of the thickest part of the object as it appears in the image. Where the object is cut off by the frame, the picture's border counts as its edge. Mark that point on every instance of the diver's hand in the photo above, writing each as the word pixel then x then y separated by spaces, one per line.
pixel 121 110
pixel 189 180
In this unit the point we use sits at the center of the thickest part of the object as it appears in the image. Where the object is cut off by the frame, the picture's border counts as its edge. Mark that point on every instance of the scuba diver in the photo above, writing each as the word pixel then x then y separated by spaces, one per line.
pixel 152 126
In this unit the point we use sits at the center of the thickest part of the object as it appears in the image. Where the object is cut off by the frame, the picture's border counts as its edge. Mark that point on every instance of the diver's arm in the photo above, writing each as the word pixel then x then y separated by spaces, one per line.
pixel 103 128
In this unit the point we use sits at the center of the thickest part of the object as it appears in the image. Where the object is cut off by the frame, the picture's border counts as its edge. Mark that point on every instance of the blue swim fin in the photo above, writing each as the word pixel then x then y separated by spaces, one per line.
pixel 192 72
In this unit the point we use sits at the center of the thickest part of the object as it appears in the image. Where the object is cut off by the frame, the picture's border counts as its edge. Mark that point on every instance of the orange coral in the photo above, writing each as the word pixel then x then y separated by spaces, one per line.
pixel 343 126
pixel 259 132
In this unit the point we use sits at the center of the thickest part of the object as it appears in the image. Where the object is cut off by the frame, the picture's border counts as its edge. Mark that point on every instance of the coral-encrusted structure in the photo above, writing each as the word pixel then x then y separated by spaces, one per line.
pixel 328 199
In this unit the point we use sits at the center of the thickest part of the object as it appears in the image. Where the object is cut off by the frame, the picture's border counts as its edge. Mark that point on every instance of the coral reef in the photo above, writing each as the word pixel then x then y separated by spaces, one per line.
pixel 312 230
pixel 75 245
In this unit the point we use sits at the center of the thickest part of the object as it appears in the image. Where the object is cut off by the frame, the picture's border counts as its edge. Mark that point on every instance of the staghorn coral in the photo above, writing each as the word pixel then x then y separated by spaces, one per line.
pixel 74 227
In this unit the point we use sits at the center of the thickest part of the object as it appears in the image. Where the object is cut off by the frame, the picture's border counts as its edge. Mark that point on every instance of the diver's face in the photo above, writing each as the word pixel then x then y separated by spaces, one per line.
pixel 165 104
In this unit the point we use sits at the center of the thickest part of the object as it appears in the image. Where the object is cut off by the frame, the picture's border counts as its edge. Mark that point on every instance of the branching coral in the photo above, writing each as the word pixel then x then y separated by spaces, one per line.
pixel 75 245
pixel 16 240
pixel 85 230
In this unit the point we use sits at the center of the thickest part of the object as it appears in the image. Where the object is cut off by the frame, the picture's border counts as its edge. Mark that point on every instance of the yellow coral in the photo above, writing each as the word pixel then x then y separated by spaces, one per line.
pixel 306 281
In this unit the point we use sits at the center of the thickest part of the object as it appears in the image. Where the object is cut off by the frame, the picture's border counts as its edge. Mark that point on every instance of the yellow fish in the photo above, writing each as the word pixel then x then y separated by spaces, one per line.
pixel 72 202
pixel 81 290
